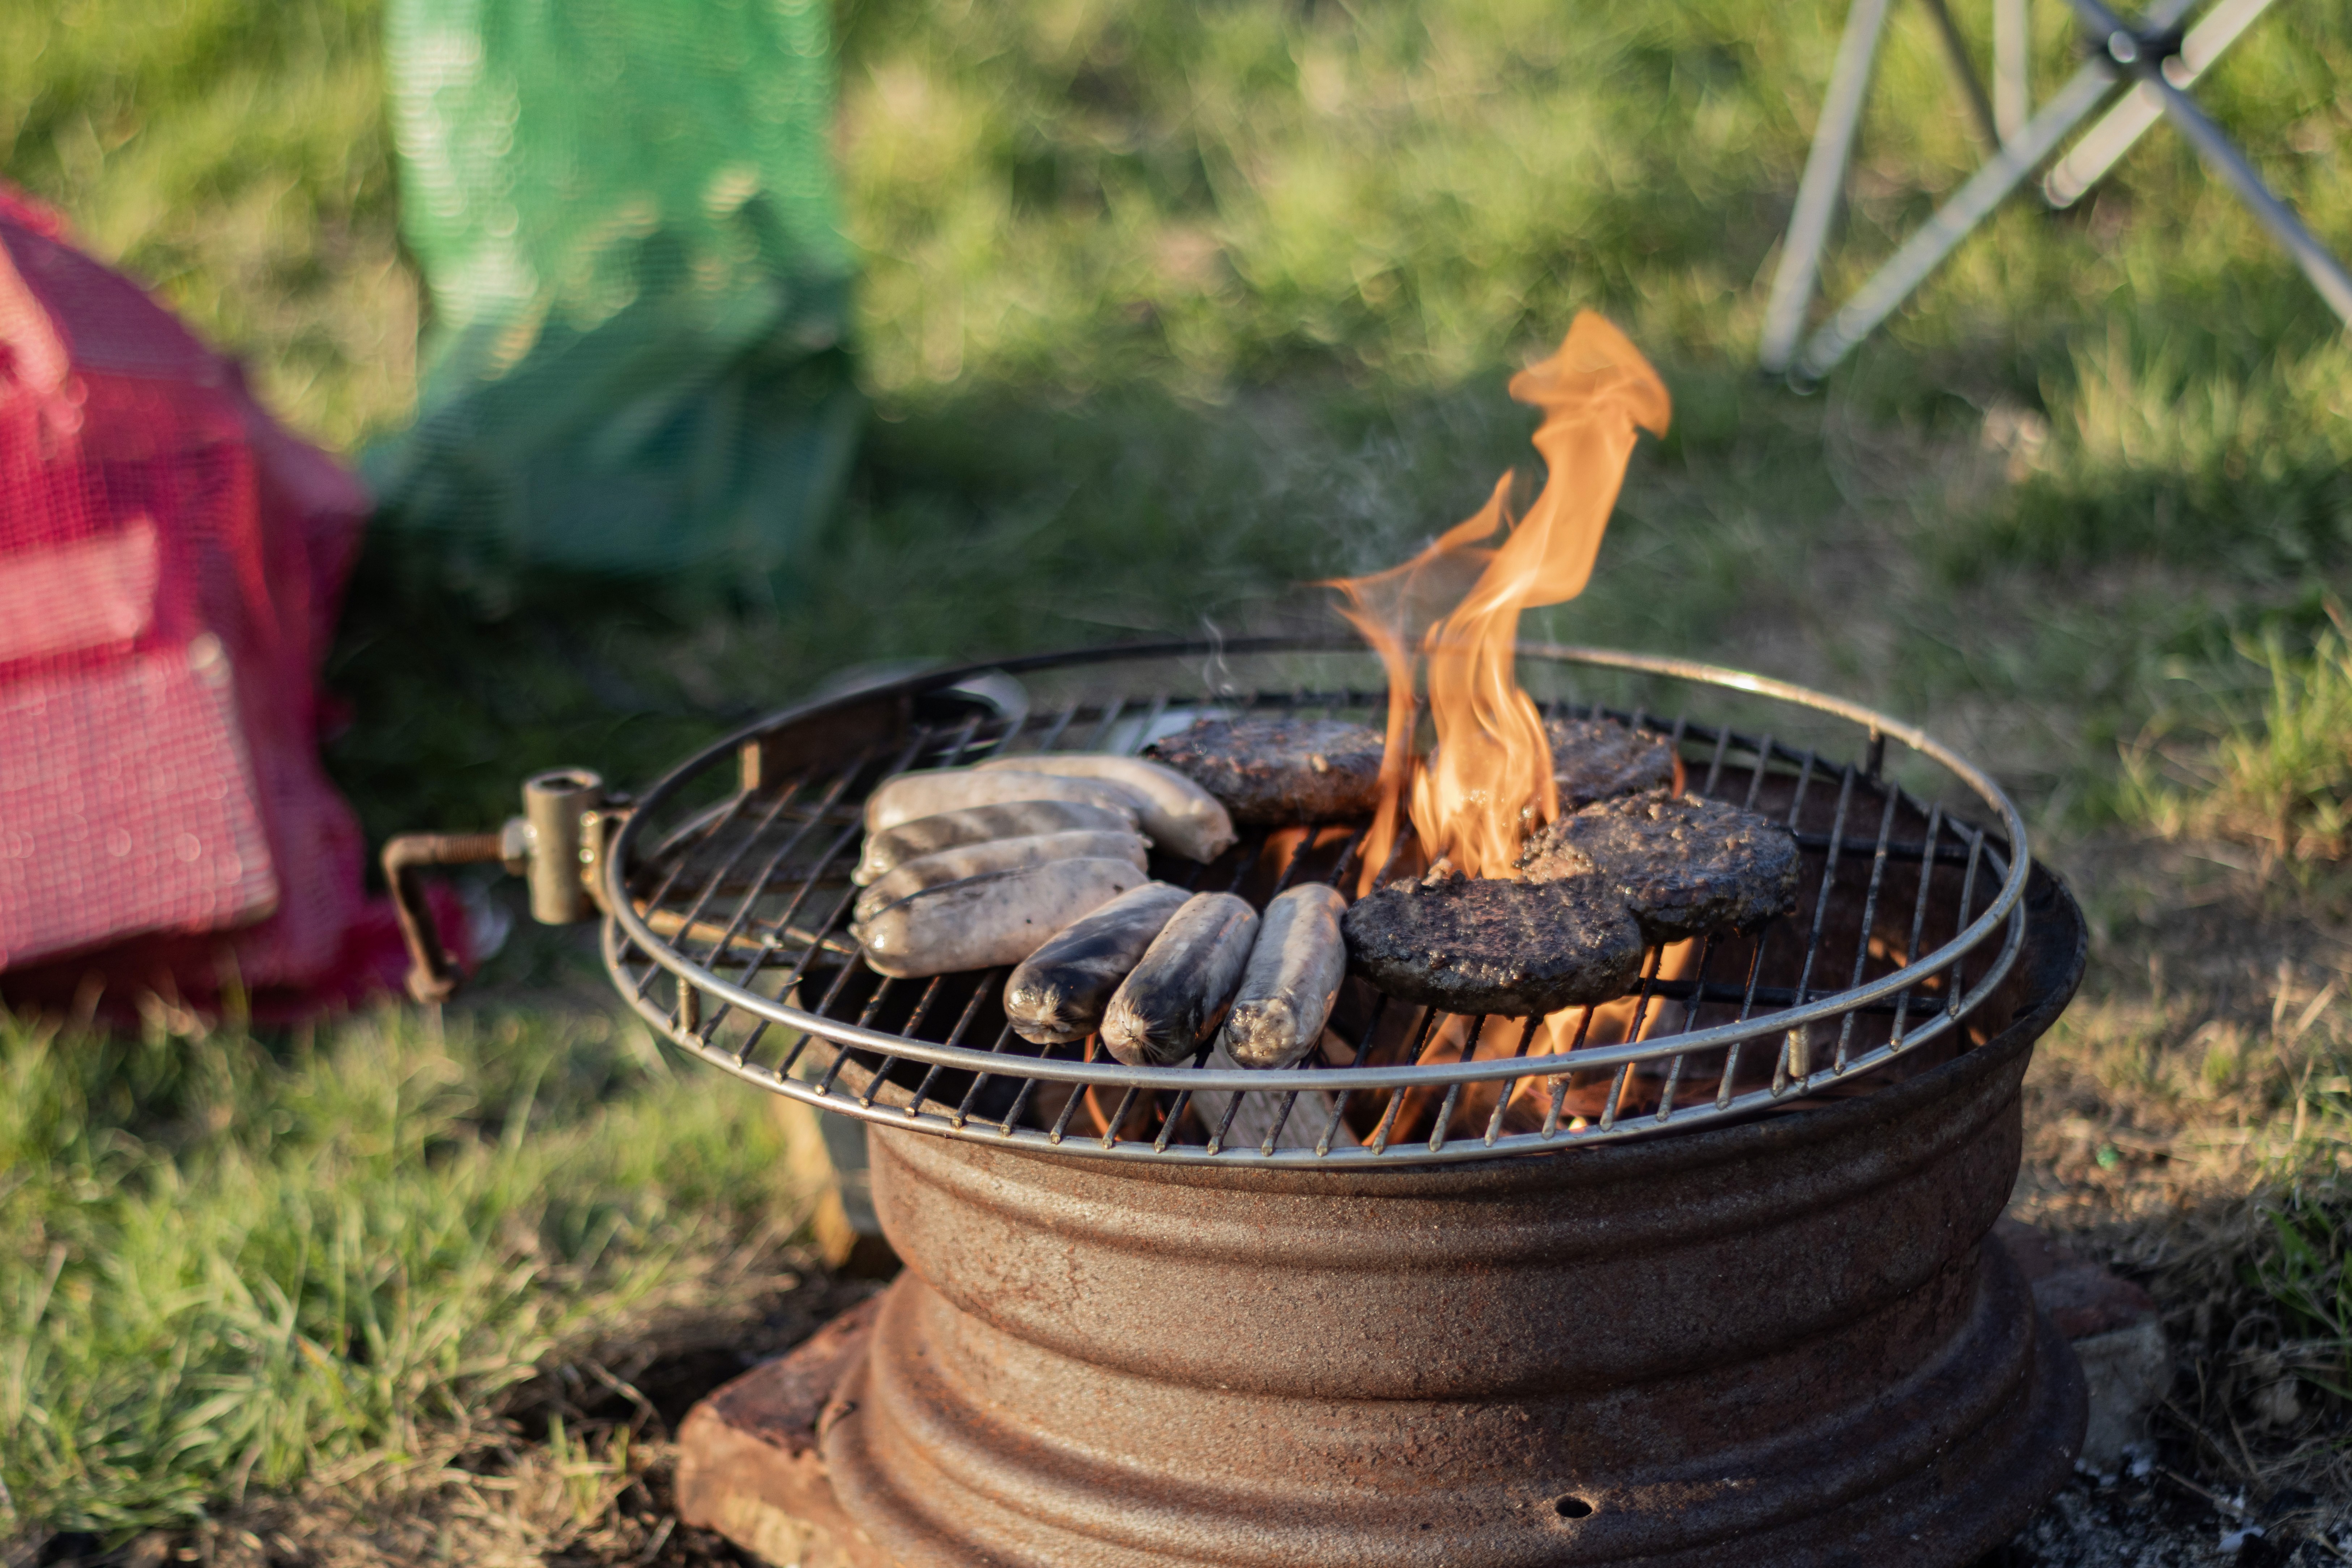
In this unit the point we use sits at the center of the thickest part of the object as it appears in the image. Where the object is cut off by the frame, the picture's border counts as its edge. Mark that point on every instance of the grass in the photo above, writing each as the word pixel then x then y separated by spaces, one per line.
pixel 235 1263
pixel 2188 448
pixel 2308 1272
pixel 1165 311
pixel 2269 1329
pixel 2280 779
pixel 234 158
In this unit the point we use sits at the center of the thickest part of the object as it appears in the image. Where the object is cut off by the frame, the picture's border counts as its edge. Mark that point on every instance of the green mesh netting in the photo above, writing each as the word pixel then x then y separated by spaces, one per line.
pixel 624 213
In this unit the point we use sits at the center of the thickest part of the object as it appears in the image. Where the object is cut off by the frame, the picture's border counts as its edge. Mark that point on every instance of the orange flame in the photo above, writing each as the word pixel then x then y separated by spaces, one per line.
pixel 1489 776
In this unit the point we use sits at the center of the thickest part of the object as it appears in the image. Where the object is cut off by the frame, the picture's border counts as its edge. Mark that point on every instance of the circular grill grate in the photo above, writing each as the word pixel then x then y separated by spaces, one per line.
pixel 729 892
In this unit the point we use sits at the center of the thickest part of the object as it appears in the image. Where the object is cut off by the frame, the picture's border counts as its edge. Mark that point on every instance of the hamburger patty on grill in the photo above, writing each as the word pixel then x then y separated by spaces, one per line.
pixel 1478 945
pixel 1594 759
pixel 1279 770
pixel 1683 866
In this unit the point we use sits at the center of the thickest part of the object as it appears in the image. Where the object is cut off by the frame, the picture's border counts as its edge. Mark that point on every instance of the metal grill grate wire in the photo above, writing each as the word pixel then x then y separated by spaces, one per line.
pixel 730 935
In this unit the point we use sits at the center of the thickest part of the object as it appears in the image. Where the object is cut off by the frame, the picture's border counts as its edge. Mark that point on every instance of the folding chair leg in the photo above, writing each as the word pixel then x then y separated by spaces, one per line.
pixel 1817 192
pixel 2088 162
pixel 2012 49
pixel 2327 274
pixel 1958 218
pixel 1954 222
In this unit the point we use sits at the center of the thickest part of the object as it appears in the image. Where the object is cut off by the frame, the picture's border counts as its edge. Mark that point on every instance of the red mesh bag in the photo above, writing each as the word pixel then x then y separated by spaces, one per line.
pixel 170 563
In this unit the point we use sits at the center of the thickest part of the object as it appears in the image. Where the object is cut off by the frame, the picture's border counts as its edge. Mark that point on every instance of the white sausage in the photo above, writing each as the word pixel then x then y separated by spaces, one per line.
pixel 1172 1004
pixel 1179 815
pixel 1292 980
pixel 968 860
pixel 987 920
pixel 977 824
pixel 927 792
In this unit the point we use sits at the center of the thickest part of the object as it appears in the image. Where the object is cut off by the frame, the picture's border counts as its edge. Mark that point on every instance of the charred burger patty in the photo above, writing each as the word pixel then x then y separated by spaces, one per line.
pixel 1594 759
pixel 1276 770
pixel 1478 945
pixel 1683 866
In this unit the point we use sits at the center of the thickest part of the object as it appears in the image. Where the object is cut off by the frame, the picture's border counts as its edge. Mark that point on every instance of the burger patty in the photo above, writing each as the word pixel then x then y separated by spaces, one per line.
pixel 1683 866
pixel 1279 770
pixel 1594 759
pixel 1479 945
pixel 1276 770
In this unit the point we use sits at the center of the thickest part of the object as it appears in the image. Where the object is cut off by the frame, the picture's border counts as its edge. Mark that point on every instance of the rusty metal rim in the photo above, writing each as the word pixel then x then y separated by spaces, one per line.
pixel 626 930
pixel 2010 1471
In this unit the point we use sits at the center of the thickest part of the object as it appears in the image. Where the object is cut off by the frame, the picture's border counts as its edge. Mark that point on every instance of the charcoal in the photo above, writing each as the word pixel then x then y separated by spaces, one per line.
pixel 1683 867
pixel 1595 759
pixel 1481 944
pixel 1279 770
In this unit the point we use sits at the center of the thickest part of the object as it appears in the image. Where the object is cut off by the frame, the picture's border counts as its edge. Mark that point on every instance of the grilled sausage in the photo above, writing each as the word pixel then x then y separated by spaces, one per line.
pixel 1179 815
pixel 1172 1003
pixel 981 921
pixel 1060 991
pixel 968 860
pixel 978 823
pixel 905 797
pixel 1292 979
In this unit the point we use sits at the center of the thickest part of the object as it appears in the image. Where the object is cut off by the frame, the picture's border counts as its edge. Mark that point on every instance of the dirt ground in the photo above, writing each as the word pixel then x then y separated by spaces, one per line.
pixel 2142 1157
pixel 2158 1520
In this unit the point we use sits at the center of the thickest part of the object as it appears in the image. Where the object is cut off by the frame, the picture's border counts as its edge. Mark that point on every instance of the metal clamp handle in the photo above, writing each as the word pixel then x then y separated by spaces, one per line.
pixel 557 843
pixel 432 971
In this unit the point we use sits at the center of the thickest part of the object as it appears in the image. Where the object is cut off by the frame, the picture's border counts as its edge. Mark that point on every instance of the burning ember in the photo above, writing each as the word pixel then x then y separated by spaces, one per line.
pixel 1487 780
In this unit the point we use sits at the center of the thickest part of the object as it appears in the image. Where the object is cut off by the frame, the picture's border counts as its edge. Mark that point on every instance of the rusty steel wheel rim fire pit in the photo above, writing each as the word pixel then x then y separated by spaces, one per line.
pixel 1743 1310
pixel 1784 1342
